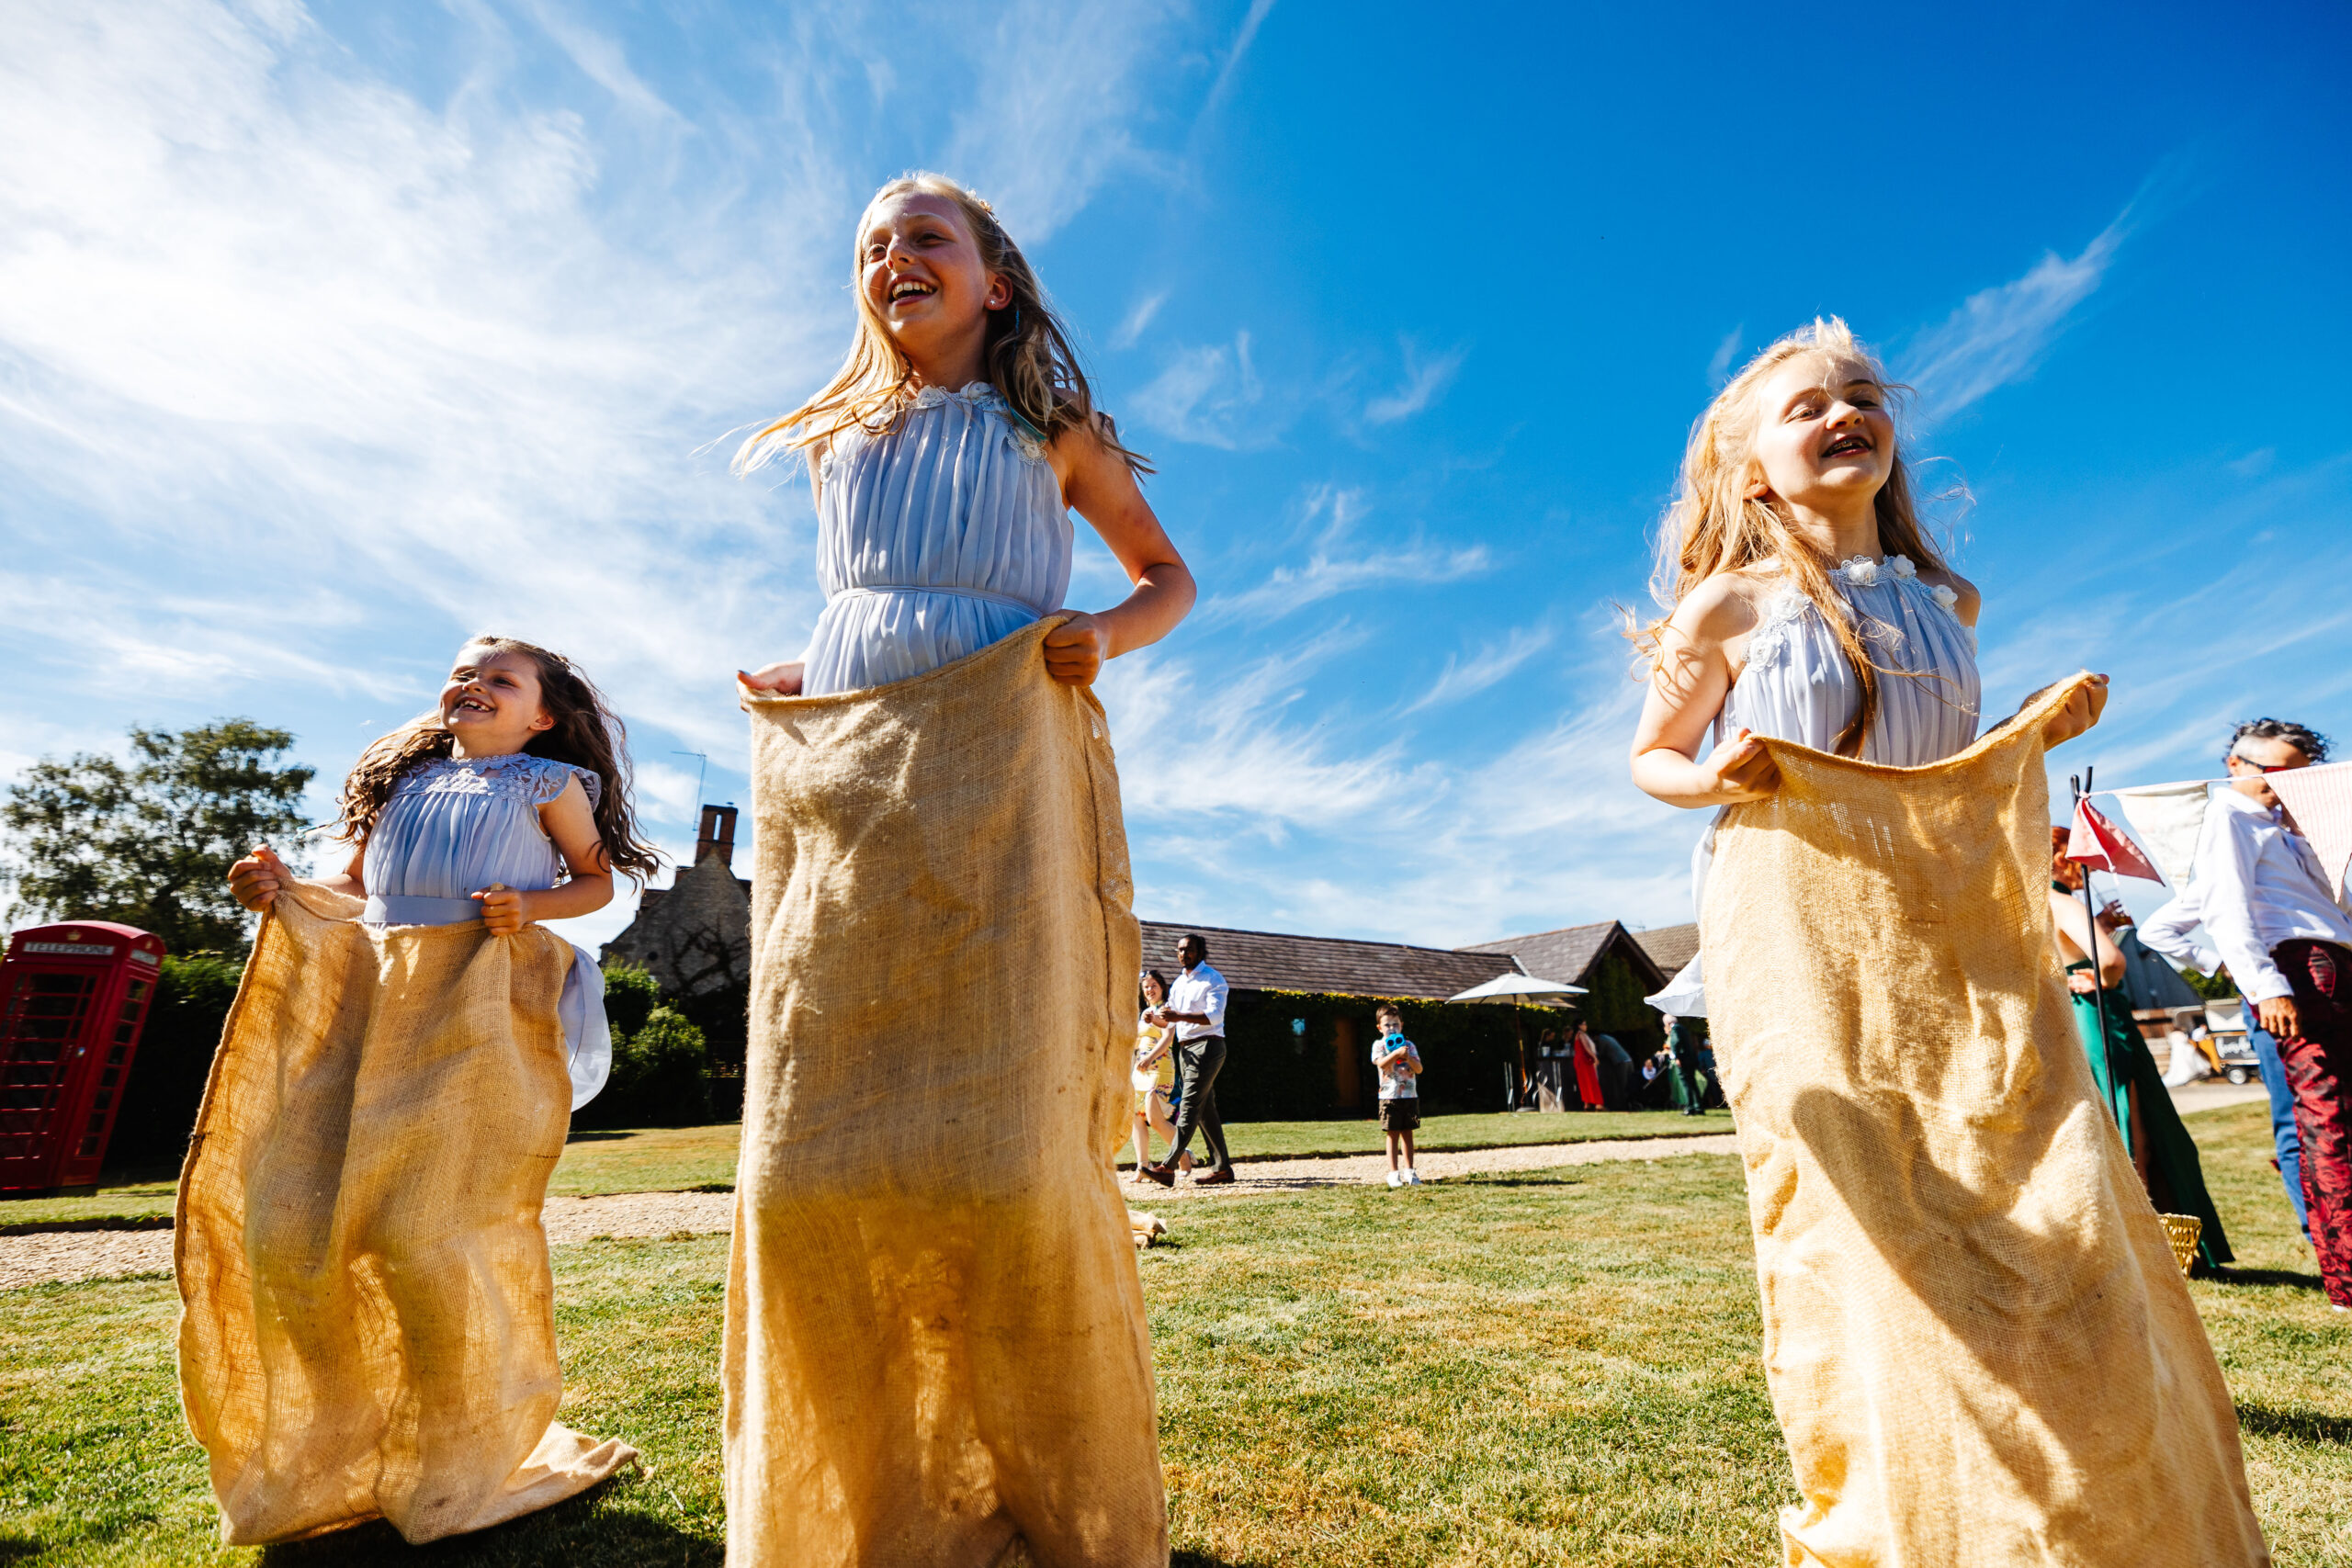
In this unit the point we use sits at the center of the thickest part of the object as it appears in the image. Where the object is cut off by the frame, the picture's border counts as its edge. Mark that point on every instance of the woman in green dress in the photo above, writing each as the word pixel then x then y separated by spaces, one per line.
pixel 2129 1079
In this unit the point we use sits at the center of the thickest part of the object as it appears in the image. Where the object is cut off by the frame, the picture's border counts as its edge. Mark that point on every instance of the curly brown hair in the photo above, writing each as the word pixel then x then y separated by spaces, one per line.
pixel 586 733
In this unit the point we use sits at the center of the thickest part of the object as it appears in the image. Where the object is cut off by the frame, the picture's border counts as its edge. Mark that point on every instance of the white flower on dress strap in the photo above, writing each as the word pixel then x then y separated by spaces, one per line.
pixel 1770 638
pixel 1902 565
pixel 1944 595
pixel 1861 571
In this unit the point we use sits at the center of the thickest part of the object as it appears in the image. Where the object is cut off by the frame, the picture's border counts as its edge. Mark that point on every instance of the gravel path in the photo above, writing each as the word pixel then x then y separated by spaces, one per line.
pixel 68 1256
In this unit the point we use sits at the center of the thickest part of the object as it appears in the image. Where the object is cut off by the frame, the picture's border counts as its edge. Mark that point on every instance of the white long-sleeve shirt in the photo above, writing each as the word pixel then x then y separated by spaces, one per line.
pixel 2173 932
pixel 1199 989
pixel 2258 883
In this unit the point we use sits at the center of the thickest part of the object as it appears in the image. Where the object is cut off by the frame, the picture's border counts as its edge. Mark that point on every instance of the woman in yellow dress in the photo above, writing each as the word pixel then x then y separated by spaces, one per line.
pixel 1154 1077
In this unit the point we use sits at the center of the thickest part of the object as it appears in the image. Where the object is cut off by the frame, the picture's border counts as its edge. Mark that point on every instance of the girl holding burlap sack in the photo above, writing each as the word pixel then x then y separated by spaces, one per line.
pixel 1978 1344
pixel 936 1347
pixel 368 1327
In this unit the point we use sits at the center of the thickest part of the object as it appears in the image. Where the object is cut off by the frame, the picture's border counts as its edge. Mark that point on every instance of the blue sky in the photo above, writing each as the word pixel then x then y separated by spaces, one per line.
pixel 330 335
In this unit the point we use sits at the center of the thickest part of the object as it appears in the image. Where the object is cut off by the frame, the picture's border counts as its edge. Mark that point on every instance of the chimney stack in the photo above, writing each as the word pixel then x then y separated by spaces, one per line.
pixel 718 836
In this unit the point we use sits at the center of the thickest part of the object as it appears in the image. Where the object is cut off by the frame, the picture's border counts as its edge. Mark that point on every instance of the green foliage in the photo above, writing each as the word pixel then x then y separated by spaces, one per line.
pixel 1272 1073
pixel 660 1077
pixel 632 993
pixel 167 1076
pixel 2215 988
pixel 149 844
pixel 1614 1006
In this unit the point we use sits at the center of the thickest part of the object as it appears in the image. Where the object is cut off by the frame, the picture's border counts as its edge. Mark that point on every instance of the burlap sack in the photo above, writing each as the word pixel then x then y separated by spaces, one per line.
pixel 369 1322
pixel 1977 1340
pixel 935 1336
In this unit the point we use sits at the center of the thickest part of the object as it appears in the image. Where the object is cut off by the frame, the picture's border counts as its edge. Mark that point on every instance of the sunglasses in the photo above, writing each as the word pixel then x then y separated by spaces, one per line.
pixel 2257 767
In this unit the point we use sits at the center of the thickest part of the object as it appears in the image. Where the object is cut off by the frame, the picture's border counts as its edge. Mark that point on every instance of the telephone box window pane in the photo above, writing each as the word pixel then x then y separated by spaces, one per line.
pixel 89 1147
pixel 115 1057
pixel 124 1034
pixel 139 989
pixel 108 1079
pixel 104 1098
pixel 64 985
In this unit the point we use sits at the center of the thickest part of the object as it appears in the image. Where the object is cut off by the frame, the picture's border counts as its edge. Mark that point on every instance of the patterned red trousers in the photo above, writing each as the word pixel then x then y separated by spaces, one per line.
pixel 2319 1069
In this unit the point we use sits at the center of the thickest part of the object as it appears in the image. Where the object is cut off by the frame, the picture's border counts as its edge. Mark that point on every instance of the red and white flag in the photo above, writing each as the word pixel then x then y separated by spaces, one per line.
pixel 2098 843
pixel 2320 799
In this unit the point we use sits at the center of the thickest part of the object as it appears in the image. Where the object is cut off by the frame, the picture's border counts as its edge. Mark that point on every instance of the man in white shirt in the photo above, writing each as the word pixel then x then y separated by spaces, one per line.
pixel 1196 1006
pixel 2176 931
pixel 2288 942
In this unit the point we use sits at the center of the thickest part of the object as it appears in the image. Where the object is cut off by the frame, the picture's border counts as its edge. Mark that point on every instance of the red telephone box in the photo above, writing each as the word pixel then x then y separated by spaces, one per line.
pixel 73 999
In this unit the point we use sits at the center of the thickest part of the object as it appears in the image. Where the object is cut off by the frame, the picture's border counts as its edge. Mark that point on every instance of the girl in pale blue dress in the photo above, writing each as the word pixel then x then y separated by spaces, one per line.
pixel 506 806
pixel 452 828
pixel 946 457
pixel 1807 604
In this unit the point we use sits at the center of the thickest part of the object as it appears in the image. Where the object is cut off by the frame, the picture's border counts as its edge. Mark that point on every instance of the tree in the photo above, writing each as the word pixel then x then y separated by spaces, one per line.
pixel 149 844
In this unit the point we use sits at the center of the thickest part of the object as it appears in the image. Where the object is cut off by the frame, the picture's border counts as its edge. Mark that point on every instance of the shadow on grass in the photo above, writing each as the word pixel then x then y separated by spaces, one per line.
pixel 14 1547
pixel 2295 1278
pixel 2297 1426
pixel 1203 1560
pixel 595 1137
pixel 587 1532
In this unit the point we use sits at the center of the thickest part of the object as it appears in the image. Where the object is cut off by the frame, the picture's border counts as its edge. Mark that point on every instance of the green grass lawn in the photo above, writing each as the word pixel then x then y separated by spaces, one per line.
pixel 1538 1368
pixel 679 1159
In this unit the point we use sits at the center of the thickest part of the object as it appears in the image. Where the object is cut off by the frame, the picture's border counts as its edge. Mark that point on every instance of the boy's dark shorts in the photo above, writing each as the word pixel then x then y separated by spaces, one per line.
pixel 1400 1115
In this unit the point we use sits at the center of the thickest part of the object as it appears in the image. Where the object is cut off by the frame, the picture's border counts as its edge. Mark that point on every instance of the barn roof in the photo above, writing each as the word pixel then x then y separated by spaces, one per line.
pixel 1270 961
pixel 1670 947
pixel 1568 953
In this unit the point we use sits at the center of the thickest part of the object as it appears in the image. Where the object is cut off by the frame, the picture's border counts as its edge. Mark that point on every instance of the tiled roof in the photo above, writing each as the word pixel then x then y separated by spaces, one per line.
pixel 1568 953
pixel 1670 946
pixel 1267 961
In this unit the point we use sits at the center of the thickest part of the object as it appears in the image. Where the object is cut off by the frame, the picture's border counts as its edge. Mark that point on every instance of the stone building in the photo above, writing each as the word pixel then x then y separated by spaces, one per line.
pixel 695 938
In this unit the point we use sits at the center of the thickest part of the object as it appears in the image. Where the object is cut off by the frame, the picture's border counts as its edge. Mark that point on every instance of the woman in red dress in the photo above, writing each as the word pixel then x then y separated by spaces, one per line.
pixel 1588 1059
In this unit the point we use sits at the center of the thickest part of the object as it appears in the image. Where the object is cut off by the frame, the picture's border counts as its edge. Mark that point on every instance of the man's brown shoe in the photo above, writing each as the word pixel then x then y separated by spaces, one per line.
pixel 1216 1178
pixel 1158 1173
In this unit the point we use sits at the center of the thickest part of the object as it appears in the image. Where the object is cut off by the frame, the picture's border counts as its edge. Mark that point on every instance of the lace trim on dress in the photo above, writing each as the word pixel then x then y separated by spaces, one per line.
pixel 1770 640
pixel 1027 439
pixel 519 775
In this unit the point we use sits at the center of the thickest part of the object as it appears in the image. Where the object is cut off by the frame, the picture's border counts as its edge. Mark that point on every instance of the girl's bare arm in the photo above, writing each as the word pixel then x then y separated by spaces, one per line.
pixel 572 825
pixel 1098 484
pixel 1692 677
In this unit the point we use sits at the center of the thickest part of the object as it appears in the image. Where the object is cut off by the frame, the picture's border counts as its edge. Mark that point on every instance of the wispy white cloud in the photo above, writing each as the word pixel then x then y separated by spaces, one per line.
pixel 1424 379
pixel 1139 317
pixel 1719 362
pixel 1999 335
pixel 1547 830
pixel 1242 39
pixel 1288 590
pixel 1209 396
pixel 1057 88
pixel 601 59
pixel 1492 664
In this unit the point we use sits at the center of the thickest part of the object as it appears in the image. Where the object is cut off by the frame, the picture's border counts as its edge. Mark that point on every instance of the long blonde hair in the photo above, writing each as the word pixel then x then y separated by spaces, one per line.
pixel 1714 525
pixel 1028 356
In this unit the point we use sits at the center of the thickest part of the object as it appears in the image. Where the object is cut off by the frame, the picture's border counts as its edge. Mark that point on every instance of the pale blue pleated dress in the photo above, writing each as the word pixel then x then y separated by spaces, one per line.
pixel 1797 685
pixel 934 538
pixel 455 826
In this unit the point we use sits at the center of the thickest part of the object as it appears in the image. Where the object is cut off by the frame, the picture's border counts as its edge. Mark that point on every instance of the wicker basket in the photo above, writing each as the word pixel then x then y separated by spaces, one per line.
pixel 2182 1231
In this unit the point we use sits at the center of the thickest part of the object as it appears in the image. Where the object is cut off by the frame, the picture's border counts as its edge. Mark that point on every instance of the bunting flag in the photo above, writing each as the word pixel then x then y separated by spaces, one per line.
pixel 2167 817
pixel 2320 800
pixel 2095 842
